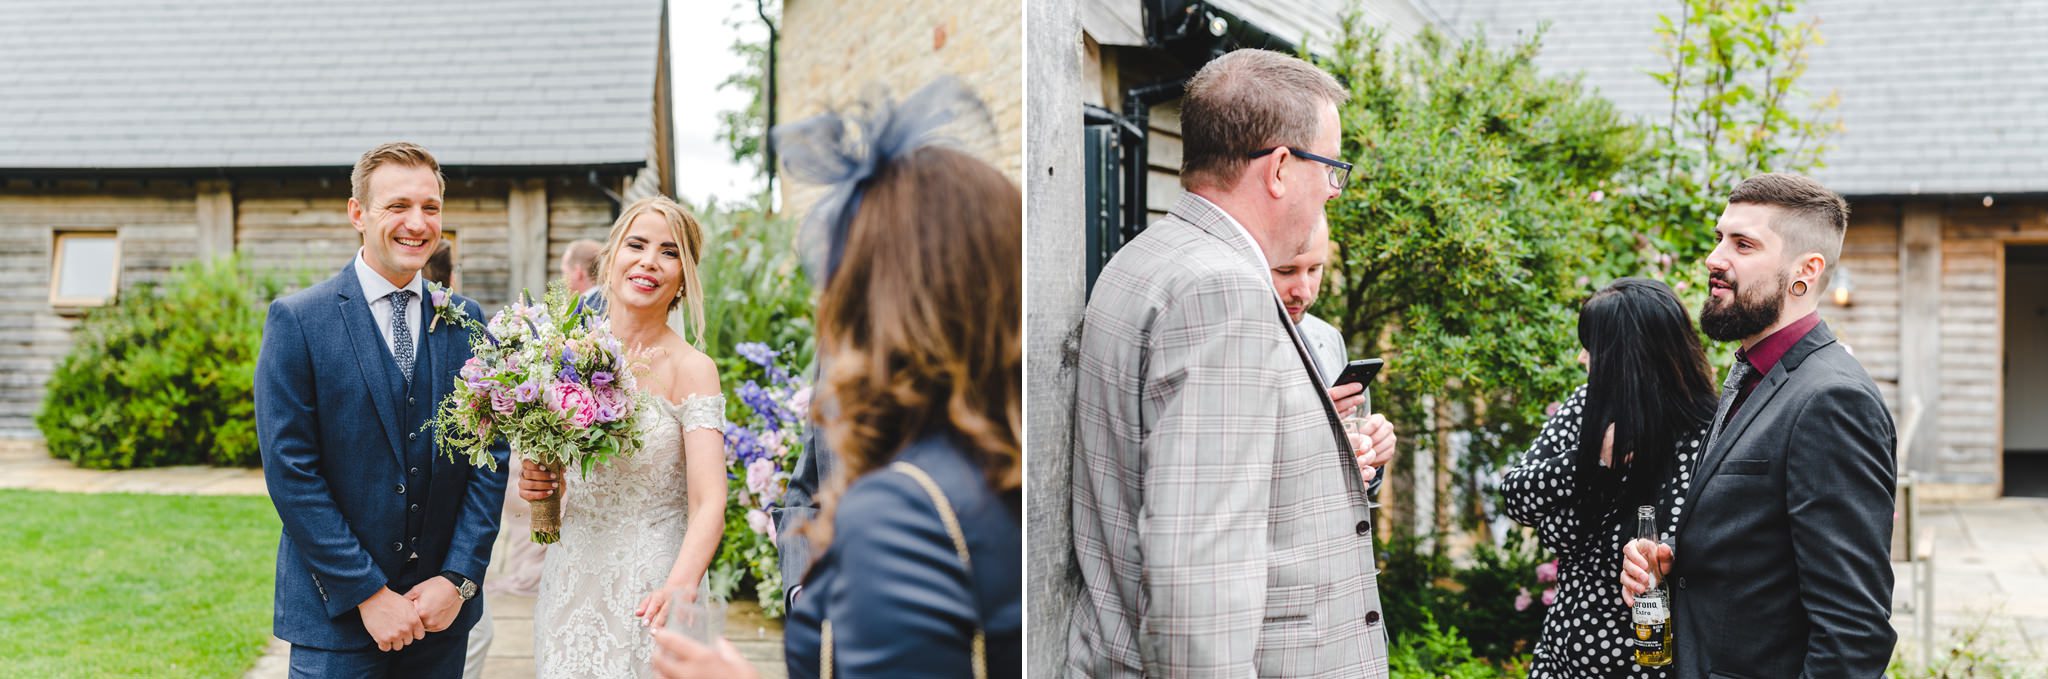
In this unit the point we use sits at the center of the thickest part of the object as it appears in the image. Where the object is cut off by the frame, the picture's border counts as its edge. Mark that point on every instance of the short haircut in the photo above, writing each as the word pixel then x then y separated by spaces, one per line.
pixel 1246 101
pixel 400 153
pixel 1813 218
pixel 583 254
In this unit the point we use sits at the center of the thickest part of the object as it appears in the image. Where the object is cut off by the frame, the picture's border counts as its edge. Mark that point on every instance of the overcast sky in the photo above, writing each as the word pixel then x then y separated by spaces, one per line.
pixel 700 52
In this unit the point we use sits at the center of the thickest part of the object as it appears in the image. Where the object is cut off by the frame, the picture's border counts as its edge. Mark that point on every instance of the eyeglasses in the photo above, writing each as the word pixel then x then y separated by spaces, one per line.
pixel 1340 171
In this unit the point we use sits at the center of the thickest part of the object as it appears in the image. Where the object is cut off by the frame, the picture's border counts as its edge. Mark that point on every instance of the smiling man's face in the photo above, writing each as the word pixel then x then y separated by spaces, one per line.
pixel 400 221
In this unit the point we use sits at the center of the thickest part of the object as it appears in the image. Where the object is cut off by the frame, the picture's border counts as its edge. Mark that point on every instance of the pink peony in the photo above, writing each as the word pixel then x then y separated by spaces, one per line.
pixel 1522 601
pixel 800 402
pixel 1550 596
pixel 1552 409
pixel 575 401
pixel 1546 572
pixel 758 520
pixel 761 480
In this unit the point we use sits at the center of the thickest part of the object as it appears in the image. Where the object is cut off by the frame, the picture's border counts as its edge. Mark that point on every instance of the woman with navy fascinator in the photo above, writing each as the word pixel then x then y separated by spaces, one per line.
pixel 917 251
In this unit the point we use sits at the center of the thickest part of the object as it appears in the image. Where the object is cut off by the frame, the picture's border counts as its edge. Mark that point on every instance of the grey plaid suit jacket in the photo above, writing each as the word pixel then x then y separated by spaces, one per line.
pixel 1220 527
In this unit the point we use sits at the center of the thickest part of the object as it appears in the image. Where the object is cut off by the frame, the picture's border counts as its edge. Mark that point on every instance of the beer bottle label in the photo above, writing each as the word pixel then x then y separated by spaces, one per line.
pixel 1650 637
pixel 1650 610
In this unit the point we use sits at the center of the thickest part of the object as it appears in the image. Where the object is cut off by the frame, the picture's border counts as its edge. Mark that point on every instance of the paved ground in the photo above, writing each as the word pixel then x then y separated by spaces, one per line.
pixel 1990 574
pixel 27 466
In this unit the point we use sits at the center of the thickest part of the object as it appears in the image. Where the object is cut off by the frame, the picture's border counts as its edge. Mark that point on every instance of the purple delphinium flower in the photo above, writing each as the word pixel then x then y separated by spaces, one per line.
pixel 744 446
pixel 568 375
pixel 772 413
pixel 757 353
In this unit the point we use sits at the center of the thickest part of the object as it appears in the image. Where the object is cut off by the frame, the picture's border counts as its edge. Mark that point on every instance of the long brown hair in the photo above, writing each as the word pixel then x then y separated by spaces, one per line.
pixel 921 323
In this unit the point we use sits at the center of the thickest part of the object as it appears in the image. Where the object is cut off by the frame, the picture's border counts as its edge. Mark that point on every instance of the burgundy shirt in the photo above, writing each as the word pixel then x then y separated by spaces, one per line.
pixel 1766 354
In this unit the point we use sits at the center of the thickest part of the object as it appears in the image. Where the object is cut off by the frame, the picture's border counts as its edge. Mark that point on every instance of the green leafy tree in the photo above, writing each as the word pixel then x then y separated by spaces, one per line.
pixel 745 131
pixel 1465 240
pixel 1734 109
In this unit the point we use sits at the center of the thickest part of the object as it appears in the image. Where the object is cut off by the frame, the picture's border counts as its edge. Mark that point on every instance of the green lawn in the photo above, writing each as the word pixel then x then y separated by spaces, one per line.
pixel 133 585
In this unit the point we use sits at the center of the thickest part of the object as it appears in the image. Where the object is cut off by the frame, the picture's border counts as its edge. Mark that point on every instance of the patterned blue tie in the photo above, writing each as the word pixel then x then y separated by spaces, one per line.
pixel 401 334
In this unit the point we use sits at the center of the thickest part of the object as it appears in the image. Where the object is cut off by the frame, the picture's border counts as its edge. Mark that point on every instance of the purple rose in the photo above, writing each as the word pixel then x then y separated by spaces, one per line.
pixel 502 401
pixel 439 296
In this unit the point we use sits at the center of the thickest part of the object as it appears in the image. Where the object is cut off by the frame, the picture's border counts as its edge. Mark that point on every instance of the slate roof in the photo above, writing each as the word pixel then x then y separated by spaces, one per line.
pixel 149 84
pixel 1937 97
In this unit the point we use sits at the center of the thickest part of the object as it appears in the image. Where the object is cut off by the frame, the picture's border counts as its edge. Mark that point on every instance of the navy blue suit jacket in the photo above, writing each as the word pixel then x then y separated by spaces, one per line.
pixel 901 602
pixel 329 428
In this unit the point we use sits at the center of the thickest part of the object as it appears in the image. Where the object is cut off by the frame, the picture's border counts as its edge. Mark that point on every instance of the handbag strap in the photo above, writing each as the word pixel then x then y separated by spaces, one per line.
pixel 952 522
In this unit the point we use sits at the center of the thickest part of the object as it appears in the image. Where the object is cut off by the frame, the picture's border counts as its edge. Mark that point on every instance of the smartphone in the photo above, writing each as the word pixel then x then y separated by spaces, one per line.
pixel 1363 372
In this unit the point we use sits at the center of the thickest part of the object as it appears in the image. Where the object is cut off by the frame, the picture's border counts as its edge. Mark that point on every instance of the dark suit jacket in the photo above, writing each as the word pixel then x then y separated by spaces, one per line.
pixel 799 504
pixel 332 442
pixel 901 602
pixel 1782 555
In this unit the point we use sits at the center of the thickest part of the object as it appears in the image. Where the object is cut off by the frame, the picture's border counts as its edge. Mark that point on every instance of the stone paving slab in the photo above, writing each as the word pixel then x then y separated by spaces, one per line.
pixel 1990 575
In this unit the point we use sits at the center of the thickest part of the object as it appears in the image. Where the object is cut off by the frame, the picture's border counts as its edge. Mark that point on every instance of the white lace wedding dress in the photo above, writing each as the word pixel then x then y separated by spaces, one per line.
pixel 621 529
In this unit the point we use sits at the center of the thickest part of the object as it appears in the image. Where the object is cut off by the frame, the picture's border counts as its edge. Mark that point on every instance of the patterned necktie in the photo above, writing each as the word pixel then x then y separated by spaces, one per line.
pixel 401 333
pixel 1730 390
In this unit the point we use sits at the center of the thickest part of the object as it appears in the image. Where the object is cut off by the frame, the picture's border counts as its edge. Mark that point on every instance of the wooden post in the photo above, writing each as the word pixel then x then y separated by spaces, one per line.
pixel 1055 260
pixel 526 216
pixel 1920 331
pixel 216 216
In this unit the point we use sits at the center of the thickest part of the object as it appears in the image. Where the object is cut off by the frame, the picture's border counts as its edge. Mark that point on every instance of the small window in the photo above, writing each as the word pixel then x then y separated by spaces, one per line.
pixel 85 269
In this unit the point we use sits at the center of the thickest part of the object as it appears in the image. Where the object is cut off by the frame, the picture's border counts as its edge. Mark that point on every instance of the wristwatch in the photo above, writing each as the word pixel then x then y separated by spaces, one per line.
pixel 463 586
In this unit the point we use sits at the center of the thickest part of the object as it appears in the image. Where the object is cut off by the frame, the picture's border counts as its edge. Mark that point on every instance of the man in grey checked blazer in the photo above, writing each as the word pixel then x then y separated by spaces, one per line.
pixel 1221 527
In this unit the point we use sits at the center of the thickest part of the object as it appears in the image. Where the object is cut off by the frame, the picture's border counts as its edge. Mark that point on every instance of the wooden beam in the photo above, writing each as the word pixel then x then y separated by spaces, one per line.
pixel 1920 334
pixel 216 208
pixel 527 223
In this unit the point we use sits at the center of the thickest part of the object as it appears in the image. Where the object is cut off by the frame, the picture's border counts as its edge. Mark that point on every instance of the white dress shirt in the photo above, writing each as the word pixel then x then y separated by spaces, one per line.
pixel 378 290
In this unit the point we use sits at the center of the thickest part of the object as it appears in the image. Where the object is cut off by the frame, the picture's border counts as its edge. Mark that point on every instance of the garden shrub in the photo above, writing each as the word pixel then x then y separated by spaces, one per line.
pixel 166 375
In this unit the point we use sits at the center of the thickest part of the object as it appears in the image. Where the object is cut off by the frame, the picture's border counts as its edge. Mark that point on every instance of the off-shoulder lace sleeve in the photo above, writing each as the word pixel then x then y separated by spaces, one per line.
pixel 702 412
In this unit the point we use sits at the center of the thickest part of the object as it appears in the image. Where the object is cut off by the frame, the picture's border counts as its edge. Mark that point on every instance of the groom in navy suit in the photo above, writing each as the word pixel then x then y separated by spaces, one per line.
pixel 385 540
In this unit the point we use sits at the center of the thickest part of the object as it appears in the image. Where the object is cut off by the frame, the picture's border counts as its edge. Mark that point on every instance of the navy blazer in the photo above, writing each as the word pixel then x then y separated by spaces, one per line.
pixel 900 601
pixel 328 426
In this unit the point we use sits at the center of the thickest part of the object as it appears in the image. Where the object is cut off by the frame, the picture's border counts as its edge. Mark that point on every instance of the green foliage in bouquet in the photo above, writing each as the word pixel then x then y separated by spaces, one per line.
pixel 165 376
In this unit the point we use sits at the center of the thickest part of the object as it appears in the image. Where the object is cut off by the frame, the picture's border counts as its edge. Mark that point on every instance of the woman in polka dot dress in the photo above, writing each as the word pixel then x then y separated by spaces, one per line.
pixel 1650 390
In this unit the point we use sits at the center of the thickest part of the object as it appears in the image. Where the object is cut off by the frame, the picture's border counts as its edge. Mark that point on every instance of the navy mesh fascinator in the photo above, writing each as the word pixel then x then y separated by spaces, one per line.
pixel 841 150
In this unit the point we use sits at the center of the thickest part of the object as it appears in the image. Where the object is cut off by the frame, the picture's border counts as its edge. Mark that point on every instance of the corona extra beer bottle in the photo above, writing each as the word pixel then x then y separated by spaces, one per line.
pixel 1652 612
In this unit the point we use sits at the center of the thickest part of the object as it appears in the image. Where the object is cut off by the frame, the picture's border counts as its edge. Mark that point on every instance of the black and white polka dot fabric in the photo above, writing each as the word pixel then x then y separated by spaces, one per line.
pixel 1586 632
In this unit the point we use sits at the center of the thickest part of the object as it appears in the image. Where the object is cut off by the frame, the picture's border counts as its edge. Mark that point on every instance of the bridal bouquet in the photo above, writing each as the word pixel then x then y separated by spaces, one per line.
pixel 552 380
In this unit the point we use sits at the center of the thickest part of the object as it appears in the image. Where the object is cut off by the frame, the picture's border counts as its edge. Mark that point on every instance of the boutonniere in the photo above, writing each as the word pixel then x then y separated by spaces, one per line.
pixel 444 307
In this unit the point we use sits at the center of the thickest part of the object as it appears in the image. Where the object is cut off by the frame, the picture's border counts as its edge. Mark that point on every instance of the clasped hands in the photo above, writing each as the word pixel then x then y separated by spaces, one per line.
pixel 396 620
